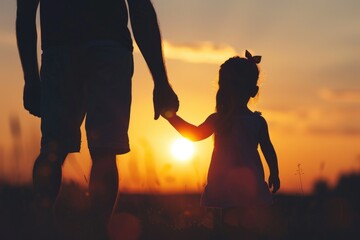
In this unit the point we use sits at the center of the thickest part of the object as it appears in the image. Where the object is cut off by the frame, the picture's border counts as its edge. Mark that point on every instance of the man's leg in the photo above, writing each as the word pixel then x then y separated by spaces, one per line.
pixel 103 188
pixel 47 177
pixel 108 99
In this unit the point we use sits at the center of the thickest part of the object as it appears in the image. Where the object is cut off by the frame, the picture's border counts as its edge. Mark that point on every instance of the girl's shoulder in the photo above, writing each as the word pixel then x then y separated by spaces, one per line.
pixel 262 121
pixel 213 115
pixel 253 116
pixel 258 115
pixel 212 118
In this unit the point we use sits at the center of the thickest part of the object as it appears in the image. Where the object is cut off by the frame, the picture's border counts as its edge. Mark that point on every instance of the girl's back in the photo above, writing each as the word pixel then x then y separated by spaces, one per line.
pixel 236 175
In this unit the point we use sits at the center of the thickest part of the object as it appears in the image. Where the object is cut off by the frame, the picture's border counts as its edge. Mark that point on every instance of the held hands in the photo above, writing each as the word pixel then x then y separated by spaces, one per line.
pixel 274 183
pixel 165 100
pixel 32 97
pixel 169 114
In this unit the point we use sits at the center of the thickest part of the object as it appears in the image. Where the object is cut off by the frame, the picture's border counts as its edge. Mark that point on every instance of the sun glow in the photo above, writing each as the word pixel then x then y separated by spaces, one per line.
pixel 182 149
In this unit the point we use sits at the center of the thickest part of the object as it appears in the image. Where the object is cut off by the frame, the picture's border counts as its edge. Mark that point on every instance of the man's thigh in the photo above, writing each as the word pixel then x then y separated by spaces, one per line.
pixel 62 104
pixel 108 90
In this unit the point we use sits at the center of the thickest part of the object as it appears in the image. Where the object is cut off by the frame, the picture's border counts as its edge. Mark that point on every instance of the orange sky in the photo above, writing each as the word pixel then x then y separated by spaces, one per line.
pixel 309 91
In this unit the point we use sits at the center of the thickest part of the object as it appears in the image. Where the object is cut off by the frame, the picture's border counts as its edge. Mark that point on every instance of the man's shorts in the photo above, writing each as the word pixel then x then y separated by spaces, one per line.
pixel 92 80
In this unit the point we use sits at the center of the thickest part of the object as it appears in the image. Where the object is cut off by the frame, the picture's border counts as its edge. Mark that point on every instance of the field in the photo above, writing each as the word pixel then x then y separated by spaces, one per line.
pixel 327 214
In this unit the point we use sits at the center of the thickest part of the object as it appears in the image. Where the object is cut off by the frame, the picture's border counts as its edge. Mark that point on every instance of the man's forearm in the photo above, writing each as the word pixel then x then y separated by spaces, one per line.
pixel 26 36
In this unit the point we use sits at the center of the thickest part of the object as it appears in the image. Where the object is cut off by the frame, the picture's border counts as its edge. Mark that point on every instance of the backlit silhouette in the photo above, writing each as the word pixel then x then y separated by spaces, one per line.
pixel 86 70
pixel 235 182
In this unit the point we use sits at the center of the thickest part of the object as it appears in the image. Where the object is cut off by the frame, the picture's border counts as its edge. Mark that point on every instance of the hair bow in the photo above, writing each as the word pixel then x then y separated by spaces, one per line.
pixel 255 59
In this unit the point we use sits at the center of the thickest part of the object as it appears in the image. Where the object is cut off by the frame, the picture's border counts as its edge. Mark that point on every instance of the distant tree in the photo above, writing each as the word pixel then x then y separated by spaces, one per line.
pixel 348 186
pixel 321 187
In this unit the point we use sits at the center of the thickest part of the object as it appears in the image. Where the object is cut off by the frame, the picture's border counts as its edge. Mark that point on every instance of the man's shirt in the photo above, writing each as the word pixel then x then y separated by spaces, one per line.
pixel 72 22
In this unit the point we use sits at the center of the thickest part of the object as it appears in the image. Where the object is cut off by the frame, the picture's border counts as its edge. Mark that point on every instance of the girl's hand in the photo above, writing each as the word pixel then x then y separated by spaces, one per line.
pixel 168 114
pixel 274 183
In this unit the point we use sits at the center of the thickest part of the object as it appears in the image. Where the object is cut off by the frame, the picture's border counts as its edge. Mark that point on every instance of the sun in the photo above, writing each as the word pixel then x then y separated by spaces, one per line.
pixel 182 149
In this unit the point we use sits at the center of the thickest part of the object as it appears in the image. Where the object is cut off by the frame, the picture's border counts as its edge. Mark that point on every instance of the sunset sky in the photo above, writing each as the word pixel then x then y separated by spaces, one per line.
pixel 309 91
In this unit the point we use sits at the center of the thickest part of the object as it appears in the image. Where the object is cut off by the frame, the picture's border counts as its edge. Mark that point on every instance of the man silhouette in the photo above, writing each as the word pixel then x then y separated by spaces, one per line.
pixel 86 70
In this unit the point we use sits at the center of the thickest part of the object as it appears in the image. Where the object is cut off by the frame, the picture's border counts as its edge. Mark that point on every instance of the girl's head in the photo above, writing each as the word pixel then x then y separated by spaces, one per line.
pixel 238 79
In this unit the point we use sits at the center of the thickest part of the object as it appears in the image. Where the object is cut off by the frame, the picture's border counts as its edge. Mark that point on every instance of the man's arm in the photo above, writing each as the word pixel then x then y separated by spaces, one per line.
pixel 147 36
pixel 26 36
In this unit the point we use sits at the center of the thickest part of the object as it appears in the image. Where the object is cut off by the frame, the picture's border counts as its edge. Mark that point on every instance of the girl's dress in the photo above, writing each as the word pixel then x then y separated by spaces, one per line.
pixel 236 174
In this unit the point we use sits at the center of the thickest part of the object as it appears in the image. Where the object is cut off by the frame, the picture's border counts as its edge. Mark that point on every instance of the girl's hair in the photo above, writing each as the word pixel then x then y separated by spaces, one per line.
pixel 237 83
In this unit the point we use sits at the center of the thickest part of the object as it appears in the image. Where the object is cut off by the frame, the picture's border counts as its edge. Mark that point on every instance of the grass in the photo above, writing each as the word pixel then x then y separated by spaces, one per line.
pixel 324 215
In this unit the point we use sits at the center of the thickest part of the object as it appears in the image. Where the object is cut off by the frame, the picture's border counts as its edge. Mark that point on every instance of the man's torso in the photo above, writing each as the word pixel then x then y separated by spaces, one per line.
pixel 72 22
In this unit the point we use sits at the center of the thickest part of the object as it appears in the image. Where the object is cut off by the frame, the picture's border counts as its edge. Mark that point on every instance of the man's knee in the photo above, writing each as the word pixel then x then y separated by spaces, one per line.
pixel 52 154
pixel 47 175
pixel 48 163
pixel 102 157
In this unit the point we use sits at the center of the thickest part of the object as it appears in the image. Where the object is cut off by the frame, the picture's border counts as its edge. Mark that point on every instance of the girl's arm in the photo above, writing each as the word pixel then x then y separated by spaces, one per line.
pixel 192 132
pixel 270 156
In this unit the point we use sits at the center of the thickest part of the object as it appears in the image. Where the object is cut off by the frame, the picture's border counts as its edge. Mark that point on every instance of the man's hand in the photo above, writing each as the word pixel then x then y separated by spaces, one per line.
pixel 165 100
pixel 274 183
pixel 32 98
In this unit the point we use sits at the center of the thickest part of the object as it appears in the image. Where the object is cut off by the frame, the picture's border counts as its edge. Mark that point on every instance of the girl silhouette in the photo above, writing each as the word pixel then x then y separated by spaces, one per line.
pixel 235 182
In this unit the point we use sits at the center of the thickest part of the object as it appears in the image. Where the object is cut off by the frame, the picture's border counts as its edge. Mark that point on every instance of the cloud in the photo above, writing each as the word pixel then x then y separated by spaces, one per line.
pixel 315 120
pixel 198 52
pixel 341 71
pixel 335 130
pixel 344 95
